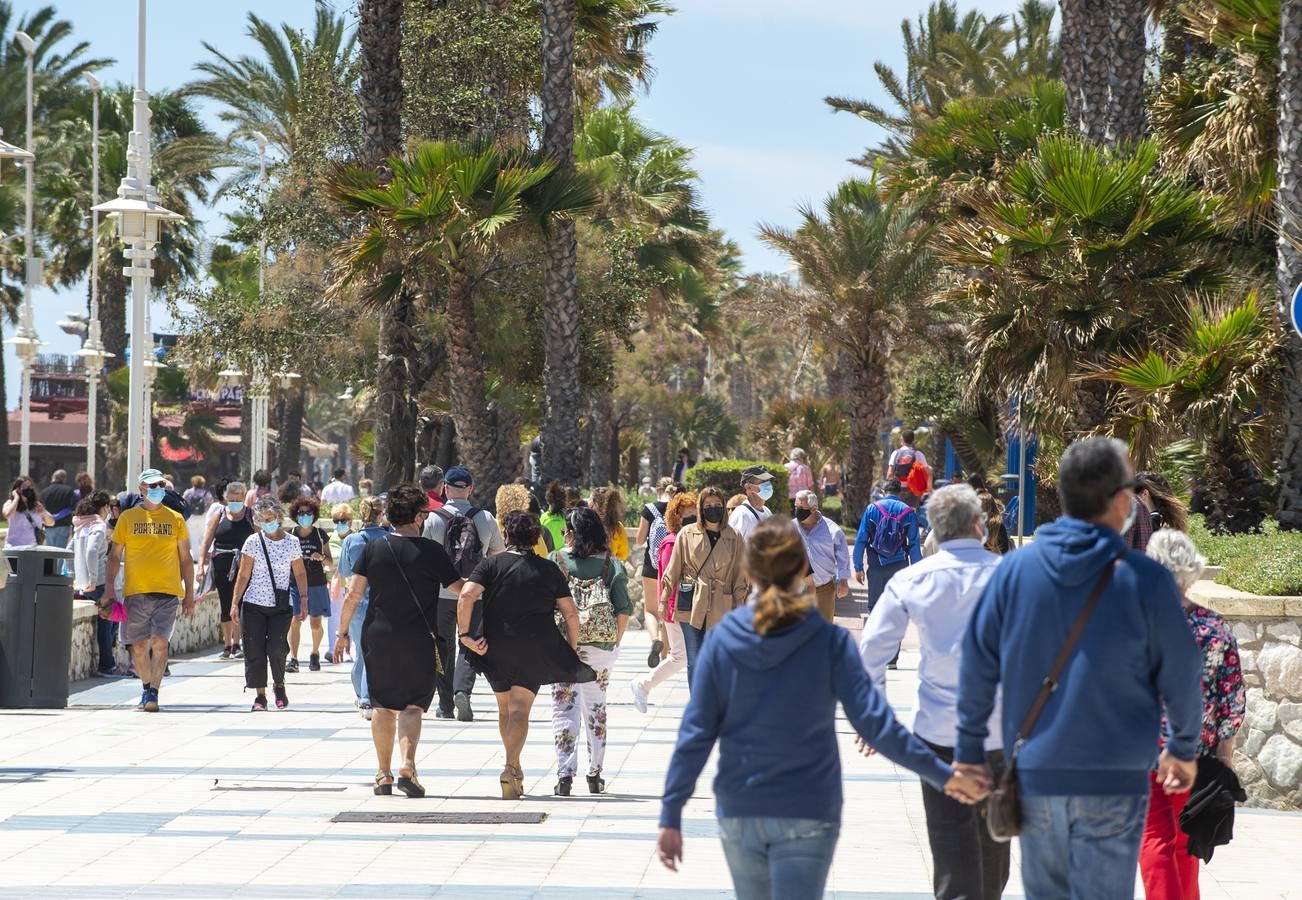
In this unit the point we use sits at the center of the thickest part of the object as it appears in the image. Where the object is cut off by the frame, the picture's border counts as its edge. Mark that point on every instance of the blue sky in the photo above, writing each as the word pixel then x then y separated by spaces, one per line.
pixel 741 81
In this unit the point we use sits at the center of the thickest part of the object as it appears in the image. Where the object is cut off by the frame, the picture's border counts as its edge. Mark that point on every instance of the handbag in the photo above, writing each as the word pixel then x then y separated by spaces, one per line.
pixel 281 594
pixel 1003 809
pixel 687 587
pixel 438 657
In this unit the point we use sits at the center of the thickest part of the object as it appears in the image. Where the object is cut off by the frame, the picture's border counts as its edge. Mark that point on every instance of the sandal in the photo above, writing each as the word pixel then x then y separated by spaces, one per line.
pixel 511 788
pixel 410 786
pixel 384 784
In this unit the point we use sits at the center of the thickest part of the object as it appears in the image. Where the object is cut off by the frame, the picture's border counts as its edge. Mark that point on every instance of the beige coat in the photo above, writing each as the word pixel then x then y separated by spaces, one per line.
pixel 721 586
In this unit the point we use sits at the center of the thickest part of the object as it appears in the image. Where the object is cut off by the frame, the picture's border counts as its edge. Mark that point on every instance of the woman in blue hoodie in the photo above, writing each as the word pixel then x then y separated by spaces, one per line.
pixel 756 691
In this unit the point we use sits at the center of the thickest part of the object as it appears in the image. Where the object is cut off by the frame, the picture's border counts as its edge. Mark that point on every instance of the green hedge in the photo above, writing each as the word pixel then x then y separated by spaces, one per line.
pixel 1268 563
pixel 725 474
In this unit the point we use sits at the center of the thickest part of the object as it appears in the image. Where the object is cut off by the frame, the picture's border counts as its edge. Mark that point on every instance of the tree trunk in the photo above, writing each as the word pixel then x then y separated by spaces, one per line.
pixel 477 432
pixel 561 312
pixel 601 425
pixel 633 465
pixel 1236 488
pixel 246 437
pixel 869 392
pixel 290 447
pixel 7 465
pixel 113 313
pixel 658 452
pixel 1175 42
pixel 379 31
pixel 1288 202
pixel 447 444
pixel 1103 44
pixel 395 410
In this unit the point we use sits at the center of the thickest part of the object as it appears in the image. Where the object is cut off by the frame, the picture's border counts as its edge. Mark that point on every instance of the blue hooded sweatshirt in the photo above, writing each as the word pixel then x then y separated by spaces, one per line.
pixel 1099 732
pixel 770 702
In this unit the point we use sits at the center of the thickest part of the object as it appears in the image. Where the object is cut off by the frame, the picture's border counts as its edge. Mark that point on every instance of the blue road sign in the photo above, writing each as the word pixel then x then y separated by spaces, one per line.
pixel 1296 309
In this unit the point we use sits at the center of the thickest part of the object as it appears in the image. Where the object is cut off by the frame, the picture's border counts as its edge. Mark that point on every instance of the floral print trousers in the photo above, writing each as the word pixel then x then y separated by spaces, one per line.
pixel 572 702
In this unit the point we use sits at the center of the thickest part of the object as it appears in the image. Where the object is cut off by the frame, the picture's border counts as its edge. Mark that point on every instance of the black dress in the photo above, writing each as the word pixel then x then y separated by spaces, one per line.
pixel 525 648
pixel 396 641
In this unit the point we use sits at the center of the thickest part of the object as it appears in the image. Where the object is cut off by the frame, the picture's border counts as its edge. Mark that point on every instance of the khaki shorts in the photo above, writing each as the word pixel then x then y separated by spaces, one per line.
pixel 148 615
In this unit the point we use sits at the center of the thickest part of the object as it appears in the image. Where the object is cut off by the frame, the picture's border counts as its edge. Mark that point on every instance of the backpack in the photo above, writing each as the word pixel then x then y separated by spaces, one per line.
pixel 903 464
pixel 889 535
pixel 657 533
pixel 918 479
pixel 461 538
pixel 592 597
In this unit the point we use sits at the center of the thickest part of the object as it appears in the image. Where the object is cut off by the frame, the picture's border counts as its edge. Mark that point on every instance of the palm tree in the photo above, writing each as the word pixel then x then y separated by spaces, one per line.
pixel 610 58
pixel 434 230
pixel 1288 200
pixel 865 271
pixel 1103 45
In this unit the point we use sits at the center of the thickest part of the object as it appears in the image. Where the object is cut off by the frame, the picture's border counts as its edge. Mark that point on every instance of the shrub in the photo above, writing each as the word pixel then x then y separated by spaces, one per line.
pixel 725 474
pixel 1269 563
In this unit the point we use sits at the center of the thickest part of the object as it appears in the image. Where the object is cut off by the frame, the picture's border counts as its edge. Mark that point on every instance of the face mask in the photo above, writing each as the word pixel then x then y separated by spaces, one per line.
pixel 306 519
pixel 803 514
pixel 766 491
pixel 1130 521
pixel 688 520
pixel 235 507
pixel 985 533
pixel 156 494
pixel 342 528
pixel 270 527
pixel 713 514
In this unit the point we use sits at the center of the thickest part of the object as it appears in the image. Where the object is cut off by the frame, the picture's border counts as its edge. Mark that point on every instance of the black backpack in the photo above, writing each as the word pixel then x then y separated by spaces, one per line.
pixel 461 538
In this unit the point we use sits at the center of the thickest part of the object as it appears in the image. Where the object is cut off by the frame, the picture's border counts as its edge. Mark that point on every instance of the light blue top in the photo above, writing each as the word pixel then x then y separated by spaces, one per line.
pixel 352 548
pixel 825 545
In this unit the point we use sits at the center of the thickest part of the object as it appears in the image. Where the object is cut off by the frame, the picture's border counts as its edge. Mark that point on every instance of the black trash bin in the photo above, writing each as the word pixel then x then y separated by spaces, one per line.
pixel 36 629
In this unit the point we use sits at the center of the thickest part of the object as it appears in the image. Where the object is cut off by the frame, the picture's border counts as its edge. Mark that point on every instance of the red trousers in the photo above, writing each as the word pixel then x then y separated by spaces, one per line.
pixel 1168 871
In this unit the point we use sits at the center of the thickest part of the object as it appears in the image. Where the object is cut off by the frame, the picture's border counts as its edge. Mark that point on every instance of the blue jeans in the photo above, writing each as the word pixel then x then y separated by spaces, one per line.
pixel 778 859
pixel 360 689
pixel 58 535
pixel 1081 847
pixel 693 638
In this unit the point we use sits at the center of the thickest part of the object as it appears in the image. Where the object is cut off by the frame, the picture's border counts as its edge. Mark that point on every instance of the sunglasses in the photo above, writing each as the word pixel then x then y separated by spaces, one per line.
pixel 1133 484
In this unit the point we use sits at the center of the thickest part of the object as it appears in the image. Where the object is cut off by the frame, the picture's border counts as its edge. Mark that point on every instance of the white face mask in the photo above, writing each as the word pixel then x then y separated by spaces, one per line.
pixel 1130 519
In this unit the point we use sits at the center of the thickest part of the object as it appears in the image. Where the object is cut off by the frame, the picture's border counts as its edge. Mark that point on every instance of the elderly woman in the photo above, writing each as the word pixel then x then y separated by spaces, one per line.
pixel 799 476
pixel 679 513
pixel 521 648
pixel 1168 870
pixel 403 572
pixel 269 560
pixel 228 529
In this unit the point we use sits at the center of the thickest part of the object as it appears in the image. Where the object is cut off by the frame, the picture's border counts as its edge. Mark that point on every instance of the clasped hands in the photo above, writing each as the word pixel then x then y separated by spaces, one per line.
pixel 968 784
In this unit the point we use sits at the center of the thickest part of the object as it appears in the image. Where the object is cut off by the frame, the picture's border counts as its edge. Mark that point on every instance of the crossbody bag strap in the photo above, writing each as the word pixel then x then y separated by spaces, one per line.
pixel 1064 656
pixel 271 573
pixel 701 567
pixel 407 581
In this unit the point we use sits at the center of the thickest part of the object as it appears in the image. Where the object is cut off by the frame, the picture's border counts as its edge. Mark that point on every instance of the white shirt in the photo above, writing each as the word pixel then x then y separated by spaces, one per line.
pixel 745 517
pixel 918 456
pixel 282 554
pixel 938 596
pixel 337 492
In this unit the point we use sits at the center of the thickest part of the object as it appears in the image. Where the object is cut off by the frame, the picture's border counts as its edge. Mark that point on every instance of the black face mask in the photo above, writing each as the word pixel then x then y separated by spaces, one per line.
pixel 713 514
pixel 803 514
pixel 688 520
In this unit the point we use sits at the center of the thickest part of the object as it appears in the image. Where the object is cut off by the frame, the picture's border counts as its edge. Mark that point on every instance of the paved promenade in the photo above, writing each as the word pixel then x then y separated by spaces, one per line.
pixel 208 800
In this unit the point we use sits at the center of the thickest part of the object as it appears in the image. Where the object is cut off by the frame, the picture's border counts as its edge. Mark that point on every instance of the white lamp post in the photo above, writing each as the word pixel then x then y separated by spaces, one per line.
pixel 92 353
pixel 259 388
pixel 138 216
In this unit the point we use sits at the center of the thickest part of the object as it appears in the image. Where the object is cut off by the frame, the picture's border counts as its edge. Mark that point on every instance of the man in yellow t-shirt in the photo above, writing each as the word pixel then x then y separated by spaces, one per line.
pixel 153 544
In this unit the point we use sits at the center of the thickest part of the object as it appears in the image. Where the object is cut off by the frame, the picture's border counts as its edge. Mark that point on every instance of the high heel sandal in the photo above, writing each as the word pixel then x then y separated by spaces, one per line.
pixel 512 788
pixel 519 778
pixel 382 789
pixel 410 786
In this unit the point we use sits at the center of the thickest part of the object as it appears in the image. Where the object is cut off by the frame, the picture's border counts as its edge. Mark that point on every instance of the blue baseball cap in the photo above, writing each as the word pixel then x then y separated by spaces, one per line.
pixel 459 477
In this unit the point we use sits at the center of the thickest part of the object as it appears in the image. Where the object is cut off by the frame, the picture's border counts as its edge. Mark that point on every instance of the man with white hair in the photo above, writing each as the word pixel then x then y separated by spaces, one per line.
pixel 938 595
pixel 829 555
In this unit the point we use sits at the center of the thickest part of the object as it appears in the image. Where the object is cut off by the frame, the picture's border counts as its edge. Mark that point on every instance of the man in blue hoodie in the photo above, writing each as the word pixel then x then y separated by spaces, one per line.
pixel 1084 768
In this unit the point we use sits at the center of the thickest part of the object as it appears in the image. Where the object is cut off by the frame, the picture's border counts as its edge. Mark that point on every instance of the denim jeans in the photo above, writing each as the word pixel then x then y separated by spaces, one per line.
pixel 58 535
pixel 359 663
pixel 1081 847
pixel 693 638
pixel 778 859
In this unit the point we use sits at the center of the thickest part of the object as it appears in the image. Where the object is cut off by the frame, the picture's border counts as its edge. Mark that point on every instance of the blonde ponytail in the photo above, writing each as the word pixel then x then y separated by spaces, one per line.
pixel 775 557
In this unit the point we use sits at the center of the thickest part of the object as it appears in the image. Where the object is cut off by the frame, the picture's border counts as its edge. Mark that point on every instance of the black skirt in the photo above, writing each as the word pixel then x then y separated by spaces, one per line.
pixel 527 652
pixel 399 663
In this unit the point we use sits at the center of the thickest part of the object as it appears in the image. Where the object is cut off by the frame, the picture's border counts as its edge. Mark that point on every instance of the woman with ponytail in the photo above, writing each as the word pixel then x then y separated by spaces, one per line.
pixel 766 687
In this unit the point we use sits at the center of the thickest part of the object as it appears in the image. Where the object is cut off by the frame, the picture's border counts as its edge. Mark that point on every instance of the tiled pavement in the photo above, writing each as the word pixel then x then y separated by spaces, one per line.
pixel 208 800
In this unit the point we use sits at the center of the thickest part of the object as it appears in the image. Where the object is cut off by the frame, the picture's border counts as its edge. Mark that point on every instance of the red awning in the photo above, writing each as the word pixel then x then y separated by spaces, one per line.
pixel 172 454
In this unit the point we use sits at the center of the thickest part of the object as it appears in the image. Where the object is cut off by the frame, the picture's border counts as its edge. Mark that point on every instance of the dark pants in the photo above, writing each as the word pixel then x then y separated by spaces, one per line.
pixel 878 575
pixel 693 638
pixel 265 633
pixel 458 678
pixel 967 864
pixel 106 633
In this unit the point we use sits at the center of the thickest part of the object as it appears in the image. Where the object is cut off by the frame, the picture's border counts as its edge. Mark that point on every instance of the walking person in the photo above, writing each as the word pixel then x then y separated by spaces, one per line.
pixel 371 510
pixel 60 499
pixel 519 647
pixel 197 496
pixel 553 517
pixel 938 596
pixel 341 516
pixel 1166 510
pixel 431 482
pixel 219 554
pixel 887 541
pixel 599 588
pixel 338 490
pixel 270 561
pixel 608 503
pixel 757 486
pixel 651 532
pixel 799 476
pixel 27 518
pixel 469 535
pixel 314 544
pixel 1084 756
pixel 681 464
pixel 1169 871
pixel 90 545
pixel 403 572
pixel 680 513
pixel 704 577
pixel 766 690
pixel 516 498
pixel 152 547
pixel 830 479
pixel 829 556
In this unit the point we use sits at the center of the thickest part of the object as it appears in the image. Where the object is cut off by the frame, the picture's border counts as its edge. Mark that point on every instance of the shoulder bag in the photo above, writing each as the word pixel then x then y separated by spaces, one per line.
pixel 1003 809
pixel 438 657
pixel 281 594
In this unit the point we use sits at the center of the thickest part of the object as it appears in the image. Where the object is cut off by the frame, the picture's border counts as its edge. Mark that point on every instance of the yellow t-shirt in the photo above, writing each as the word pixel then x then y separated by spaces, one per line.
pixel 619 544
pixel 149 559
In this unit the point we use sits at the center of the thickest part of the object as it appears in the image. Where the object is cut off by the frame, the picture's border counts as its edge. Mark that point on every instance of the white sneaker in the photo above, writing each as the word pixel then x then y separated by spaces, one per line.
pixel 364 707
pixel 640 696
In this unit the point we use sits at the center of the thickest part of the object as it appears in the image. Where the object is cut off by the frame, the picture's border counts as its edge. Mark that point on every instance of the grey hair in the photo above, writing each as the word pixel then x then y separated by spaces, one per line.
pixel 809 497
pixel 952 512
pixel 1091 473
pixel 268 503
pixel 235 487
pixel 1175 550
pixel 799 454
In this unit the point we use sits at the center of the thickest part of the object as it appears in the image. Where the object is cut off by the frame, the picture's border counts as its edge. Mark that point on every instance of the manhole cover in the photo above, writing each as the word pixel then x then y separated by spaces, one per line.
pixel 469 818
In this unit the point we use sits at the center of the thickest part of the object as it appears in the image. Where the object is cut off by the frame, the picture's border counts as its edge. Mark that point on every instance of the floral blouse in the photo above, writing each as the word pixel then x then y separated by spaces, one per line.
pixel 1222 680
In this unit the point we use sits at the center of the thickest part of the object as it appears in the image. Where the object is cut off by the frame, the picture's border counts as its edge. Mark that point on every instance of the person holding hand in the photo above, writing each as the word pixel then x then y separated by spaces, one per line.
pixel 766 688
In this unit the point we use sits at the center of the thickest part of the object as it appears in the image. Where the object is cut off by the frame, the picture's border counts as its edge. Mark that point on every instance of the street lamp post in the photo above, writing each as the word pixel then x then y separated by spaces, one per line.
pixel 259 387
pixel 92 353
pixel 138 215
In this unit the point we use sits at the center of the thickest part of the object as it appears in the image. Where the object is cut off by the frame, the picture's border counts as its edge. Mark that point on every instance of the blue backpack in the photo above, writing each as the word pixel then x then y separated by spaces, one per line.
pixel 889 535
